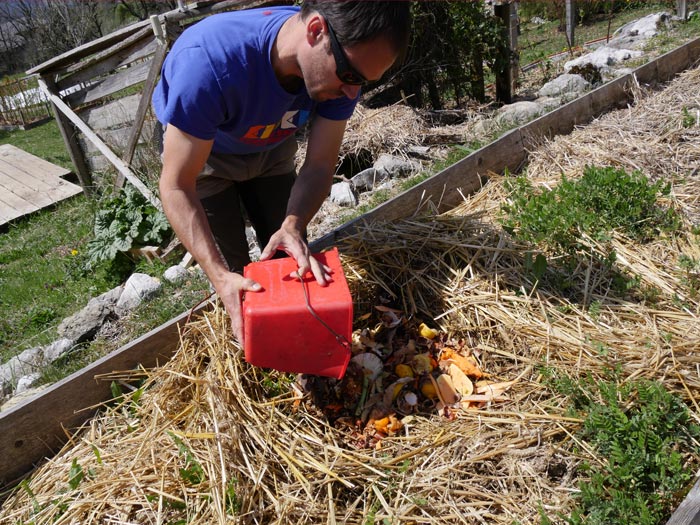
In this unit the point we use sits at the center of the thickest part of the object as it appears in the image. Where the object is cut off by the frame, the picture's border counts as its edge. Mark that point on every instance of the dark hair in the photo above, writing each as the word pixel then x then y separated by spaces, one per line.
pixel 355 22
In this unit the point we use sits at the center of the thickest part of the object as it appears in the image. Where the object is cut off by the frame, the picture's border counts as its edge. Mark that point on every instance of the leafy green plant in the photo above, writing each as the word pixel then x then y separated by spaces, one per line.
pixel 643 435
pixel 689 120
pixel 603 200
pixel 126 221
pixel 192 472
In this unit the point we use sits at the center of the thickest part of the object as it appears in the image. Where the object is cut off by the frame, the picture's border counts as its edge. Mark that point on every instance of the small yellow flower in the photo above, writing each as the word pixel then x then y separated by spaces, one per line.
pixel 74 252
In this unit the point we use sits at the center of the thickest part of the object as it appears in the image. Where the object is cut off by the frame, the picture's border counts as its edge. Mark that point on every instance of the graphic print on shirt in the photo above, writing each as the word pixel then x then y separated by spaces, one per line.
pixel 271 133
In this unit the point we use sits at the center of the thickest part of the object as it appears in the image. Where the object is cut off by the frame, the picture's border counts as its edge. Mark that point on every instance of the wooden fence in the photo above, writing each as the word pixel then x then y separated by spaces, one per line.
pixel 22 104
pixel 100 92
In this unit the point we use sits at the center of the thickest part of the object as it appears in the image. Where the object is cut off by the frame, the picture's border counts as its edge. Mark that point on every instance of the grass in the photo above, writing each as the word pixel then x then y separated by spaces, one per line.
pixel 537 42
pixel 44 141
pixel 45 277
pixel 42 275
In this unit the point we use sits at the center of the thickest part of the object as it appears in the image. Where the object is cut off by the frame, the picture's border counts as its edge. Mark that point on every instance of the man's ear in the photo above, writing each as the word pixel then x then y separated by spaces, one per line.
pixel 315 27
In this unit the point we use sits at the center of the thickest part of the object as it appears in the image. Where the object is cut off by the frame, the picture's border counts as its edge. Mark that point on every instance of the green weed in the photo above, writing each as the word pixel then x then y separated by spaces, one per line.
pixel 603 200
pixel 192 472
pixel 644 437
pixel 689 119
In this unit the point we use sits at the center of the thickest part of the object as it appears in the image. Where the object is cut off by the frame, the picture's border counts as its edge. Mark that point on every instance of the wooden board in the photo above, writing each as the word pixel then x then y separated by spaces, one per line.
pixel 688 512
pixel 124 78
pixel 36 428
pixel 88 49
pixel 29 183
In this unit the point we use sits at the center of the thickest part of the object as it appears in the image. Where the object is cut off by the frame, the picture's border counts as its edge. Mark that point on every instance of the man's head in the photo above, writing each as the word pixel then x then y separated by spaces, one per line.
pixel 361 40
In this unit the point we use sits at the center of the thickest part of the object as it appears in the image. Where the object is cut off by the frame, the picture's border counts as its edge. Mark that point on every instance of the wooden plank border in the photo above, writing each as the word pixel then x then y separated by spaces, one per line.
pixel 37 427
pixel 688 512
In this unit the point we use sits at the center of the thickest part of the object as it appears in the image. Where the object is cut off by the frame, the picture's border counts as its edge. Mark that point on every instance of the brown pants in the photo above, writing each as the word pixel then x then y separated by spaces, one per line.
pixel 233 188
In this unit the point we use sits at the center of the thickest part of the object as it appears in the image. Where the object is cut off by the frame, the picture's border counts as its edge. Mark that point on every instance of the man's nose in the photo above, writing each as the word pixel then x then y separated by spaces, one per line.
pixel 350 91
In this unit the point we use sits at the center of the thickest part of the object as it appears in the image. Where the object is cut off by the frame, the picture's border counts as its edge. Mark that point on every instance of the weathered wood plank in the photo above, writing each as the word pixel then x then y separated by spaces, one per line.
pixel 688 512
pixel 52 188
pixel 113 114
pixel 30 162
pixel 34 429
pixel 673 63
pixel 87 49
pixel 137 49
pixel 28 183
pixel 117 139
pixel 110 85
pixel 648 74
pixel 104 149
pixel 445 189
pixel 557 122
pixel 12 206
pixel 615 94
pixel 68 133
pixel 28 190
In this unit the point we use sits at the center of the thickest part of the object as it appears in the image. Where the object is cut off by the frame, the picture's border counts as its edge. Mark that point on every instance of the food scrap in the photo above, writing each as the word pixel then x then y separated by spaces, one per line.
pixel 400 369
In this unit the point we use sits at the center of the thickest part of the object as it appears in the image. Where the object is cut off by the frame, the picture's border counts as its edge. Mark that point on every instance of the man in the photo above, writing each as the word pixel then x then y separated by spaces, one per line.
pixel 233 90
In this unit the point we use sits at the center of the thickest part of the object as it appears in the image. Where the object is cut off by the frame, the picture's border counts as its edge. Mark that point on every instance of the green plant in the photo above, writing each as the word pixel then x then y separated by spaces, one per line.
pixel 126 221
pixel 603 200
pixel 689 120
pixel 192 472
pixel 644 437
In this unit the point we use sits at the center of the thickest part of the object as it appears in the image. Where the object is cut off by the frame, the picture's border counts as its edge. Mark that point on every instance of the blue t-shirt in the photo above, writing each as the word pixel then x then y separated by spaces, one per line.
pixel 217 83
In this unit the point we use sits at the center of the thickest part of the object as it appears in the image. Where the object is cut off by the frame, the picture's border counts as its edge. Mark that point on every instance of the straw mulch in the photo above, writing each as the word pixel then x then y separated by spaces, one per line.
pixel 211 441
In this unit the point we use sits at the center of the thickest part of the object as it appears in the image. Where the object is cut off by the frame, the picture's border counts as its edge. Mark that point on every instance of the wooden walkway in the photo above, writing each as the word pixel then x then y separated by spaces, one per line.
pixel 28 183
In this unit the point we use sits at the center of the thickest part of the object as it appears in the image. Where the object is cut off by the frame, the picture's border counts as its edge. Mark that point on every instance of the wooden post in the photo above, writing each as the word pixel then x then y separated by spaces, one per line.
pixel 67 112
pixel 508 75
pixel 682 9
pixel 68 132
pixel 570 22
pixel 144 103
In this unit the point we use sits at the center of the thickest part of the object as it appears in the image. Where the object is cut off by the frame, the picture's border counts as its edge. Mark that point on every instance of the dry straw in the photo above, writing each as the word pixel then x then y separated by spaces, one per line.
pixel 207 443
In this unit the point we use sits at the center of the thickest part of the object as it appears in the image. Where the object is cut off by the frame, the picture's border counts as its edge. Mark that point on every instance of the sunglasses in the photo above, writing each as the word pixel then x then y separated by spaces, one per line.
pixel 346 73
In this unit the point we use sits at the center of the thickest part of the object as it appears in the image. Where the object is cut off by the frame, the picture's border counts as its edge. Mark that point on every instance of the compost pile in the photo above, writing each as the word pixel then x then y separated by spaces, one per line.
pixel 397 371
pixel 208 439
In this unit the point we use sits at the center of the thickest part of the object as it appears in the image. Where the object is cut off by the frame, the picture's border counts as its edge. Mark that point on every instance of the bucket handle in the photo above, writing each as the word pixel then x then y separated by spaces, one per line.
pixel 341 339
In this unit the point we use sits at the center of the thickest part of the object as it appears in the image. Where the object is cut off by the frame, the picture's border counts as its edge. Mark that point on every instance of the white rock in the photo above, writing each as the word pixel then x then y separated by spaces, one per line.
pixel 566 85
pixel 56 349
pixel 137 288
pixel 26 382
pixel 343 194
pixel 175 274
pixel 603 57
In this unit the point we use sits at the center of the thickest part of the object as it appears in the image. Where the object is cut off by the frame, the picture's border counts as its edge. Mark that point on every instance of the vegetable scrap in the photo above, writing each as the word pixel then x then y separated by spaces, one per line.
pixel 398 371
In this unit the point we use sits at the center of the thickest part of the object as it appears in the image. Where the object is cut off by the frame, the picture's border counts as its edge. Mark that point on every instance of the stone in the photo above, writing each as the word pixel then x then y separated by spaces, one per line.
pixel 367 179
pixel 84 324
pixel 175 274
pixel 56 349
pixel 343 194
pixel 395 166
pixel 518 113
pixel 603 57
pixel 567 86
pixel 26 382
pixel 645 27
pixel 138 287
pixel 28 362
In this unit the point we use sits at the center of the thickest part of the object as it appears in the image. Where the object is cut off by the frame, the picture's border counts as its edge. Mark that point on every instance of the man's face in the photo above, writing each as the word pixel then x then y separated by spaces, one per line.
pixel 364 61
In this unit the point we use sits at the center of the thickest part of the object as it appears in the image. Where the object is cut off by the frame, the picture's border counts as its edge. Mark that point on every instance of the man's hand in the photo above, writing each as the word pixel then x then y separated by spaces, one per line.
pixel 230 290
pixel 290 240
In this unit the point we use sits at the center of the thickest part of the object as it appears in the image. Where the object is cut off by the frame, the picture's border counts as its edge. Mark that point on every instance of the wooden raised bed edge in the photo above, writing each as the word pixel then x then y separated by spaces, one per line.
pixel 39 426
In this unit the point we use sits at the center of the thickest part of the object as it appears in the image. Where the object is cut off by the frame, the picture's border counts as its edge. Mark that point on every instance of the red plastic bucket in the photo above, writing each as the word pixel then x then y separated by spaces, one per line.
pixel 283 333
